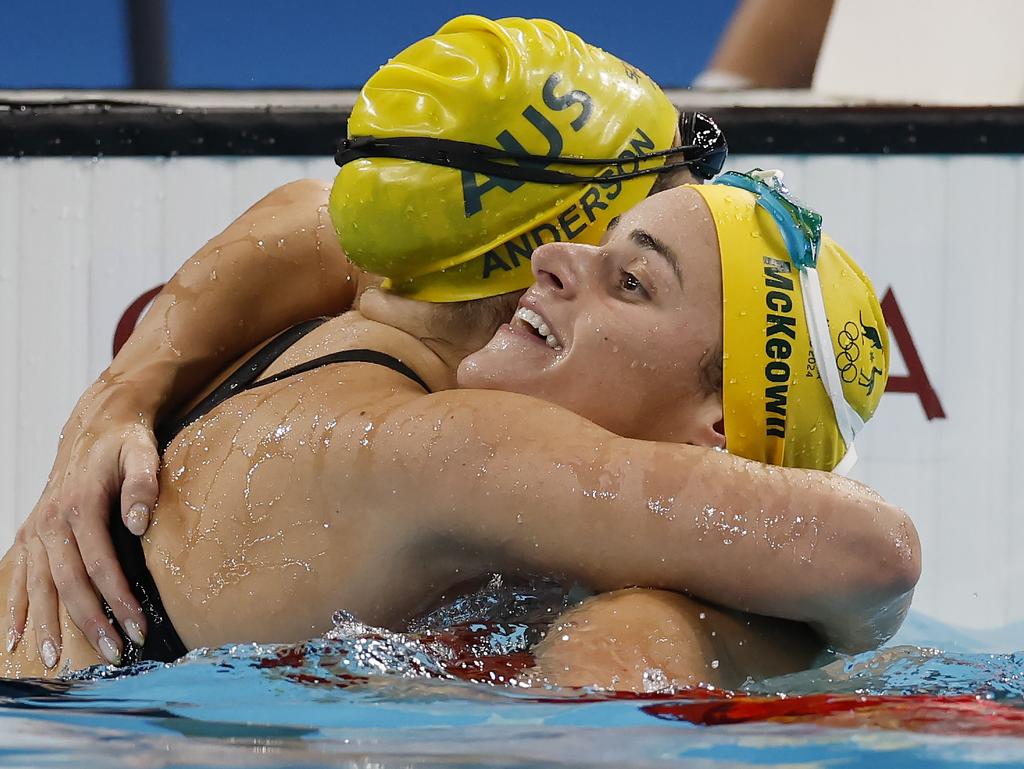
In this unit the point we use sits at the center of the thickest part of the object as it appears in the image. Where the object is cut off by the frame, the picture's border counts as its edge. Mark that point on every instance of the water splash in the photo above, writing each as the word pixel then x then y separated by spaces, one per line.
pixel 381 698
pixel 908 670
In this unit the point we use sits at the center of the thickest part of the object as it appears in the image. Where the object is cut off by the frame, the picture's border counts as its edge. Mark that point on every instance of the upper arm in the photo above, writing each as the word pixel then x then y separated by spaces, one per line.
pixel 285 243
pixel 538 487
pixel 277 264
pixel 527 485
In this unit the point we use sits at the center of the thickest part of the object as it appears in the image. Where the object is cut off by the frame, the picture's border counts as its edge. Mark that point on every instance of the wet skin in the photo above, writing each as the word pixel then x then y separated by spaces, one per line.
pixel 273 509
pixel 630 325
pixel 634 320
pixel 349 487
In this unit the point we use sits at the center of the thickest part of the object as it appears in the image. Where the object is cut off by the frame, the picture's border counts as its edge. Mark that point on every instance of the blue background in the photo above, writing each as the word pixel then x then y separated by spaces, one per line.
pixel 321 43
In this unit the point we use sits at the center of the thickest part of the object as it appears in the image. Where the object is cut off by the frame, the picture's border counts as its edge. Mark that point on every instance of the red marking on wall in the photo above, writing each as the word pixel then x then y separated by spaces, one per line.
pixel 916 381
pixel 130 317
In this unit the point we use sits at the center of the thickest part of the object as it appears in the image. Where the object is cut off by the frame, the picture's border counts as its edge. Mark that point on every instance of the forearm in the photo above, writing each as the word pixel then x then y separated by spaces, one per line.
pixel 773 43
pixel 793 544
pixel 277 264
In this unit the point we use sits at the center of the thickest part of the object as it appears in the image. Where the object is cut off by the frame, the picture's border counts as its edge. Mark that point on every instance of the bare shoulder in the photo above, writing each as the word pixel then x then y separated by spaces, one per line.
pixel 301 192
pixel 292 224
pixel 641 639
pixel 294 208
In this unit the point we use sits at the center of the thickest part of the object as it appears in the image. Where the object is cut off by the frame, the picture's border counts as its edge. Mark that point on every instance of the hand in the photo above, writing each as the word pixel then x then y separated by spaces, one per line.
pixel 64 548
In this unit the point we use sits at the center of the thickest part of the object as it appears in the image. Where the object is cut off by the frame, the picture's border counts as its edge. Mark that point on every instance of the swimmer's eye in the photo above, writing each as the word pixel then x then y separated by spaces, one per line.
pixel 631 284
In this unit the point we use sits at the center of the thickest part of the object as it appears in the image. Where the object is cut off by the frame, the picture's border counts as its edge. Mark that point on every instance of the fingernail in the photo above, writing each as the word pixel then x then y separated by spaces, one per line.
pixel 138 518
pixel 48 652
pixel 109 650
pixel 134 631
pixel 13 636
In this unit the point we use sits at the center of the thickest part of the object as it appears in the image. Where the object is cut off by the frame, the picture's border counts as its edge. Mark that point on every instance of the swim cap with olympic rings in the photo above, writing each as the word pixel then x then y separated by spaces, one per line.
pixel 805 345
pixel 525 87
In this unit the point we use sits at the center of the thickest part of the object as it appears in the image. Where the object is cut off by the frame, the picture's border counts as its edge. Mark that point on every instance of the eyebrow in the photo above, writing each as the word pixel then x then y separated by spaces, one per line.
pixel 612 224
pixel 647 241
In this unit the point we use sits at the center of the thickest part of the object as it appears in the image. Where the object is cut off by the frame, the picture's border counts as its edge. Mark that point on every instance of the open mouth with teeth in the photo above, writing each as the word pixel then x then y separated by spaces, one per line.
pixel 536 322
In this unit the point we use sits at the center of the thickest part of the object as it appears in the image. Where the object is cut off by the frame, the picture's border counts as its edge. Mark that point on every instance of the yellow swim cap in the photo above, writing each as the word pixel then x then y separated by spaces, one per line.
pixel 776 396
pixel 523 86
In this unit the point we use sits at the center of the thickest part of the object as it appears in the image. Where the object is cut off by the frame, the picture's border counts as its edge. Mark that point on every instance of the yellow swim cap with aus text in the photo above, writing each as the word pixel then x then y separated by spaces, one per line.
pixel 805 346
pixel 529 87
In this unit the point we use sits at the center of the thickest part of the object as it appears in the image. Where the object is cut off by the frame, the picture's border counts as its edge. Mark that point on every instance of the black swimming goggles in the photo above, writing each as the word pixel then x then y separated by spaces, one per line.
pixel 703 151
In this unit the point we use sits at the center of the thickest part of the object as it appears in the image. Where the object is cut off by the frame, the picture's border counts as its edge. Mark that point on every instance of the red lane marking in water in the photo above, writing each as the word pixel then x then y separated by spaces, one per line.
pixel 964 715
pixel 296 657
pixel 466 654
pixel 291 657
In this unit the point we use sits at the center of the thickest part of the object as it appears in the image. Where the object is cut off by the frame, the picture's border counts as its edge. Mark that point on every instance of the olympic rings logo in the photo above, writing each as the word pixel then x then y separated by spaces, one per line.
pixel 846 360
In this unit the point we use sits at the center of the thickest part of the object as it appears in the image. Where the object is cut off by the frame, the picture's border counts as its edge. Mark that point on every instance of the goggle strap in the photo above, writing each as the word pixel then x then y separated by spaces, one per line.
pixel 484 160
pixel 701 137
pixel 846 464
pixel 429 148
pixel 847 418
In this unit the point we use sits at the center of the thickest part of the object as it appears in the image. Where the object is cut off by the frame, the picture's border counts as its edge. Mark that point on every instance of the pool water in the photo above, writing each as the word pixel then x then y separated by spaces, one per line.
pixel 365 697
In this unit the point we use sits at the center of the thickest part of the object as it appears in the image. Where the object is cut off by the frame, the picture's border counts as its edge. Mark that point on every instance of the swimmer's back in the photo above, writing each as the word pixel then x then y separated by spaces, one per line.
pixel 250 540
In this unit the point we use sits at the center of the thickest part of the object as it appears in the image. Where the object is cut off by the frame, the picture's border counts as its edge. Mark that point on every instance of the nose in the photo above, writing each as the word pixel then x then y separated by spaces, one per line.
pixel 560 267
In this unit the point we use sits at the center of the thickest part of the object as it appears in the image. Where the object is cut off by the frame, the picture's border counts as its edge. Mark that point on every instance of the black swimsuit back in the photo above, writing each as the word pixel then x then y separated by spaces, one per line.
pixel 162 641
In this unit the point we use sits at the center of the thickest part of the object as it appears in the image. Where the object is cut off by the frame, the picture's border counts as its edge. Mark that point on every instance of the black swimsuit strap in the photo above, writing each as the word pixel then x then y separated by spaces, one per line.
pixel 245 376
pixel 239 379
pixel 361 355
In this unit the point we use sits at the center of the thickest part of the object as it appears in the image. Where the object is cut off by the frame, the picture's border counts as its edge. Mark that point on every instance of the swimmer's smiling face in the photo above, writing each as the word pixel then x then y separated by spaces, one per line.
pixel 620 333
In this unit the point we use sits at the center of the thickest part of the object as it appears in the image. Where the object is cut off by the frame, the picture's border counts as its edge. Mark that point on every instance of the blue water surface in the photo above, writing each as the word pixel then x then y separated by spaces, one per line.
pixel 363 697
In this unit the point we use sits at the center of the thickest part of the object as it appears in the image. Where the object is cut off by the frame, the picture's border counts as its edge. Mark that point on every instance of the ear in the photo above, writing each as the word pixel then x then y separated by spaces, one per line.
pixel 709 428
pixel 720 433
